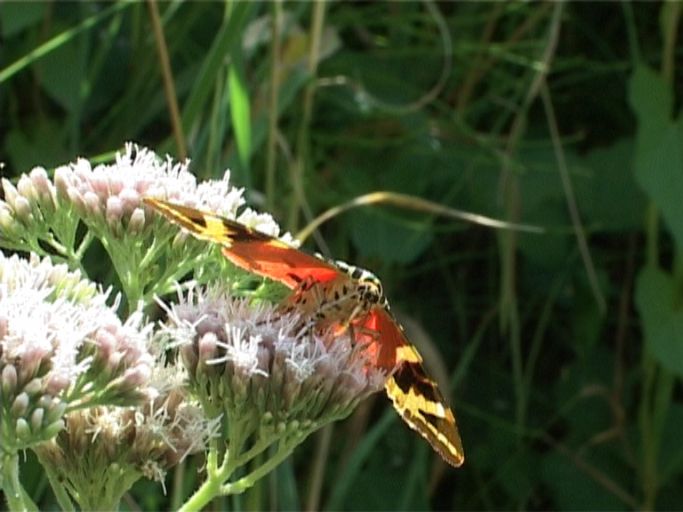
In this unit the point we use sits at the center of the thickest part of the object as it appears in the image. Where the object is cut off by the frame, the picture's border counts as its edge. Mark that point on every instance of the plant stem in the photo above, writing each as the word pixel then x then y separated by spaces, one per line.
pixel 15 494
pixel 246 482
pixel 216 475
pixel 58 489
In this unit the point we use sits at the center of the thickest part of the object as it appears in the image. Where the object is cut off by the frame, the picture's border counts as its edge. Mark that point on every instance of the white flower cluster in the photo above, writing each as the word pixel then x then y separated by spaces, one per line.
pixel 56 333
pixel 268 359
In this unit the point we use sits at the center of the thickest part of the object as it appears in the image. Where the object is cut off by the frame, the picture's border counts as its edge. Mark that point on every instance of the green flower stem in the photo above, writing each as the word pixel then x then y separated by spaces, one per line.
pixel 215 475
pixel 208 490
pixel 244 483
pixel 15 494
pixel 64 251
pixel 85 243
pixel 154 250
pixel 109 496
pixel 259 447
pixel 127 268
pixel 58 489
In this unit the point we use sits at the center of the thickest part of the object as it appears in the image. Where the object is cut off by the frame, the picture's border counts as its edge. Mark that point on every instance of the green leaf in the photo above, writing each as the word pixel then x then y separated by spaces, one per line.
pixel 226 39
pixel 662 317
pixel 40 143
pixel 240 112
pixel 616 201
pixel 573 489
pixel 61 73
pixel 389 238
pixel 652 103
pixel 16 16
pixel 659 148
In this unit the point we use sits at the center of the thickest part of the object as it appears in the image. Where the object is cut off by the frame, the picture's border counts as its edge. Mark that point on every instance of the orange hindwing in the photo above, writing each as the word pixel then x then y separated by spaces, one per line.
pixel 415 396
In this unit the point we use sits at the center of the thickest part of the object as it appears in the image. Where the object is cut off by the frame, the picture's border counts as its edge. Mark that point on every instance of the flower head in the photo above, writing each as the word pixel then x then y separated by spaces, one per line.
pixel 45 216
pixel 125 443
pixel 257 360
pixel 61 347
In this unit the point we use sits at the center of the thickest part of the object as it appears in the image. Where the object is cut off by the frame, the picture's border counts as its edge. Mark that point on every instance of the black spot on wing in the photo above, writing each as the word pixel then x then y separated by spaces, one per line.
pixel 440 423
pixel 294 277
pixel 241 233
pixel 198 220
pixel 411 375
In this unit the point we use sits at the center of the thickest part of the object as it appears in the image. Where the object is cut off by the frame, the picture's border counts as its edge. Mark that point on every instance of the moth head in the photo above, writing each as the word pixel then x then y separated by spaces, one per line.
pixel 368 284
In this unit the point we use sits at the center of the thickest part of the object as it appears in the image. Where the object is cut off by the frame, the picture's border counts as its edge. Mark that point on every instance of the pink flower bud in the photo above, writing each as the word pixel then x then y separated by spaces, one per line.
pixel 130 200
pixel 106 343
pixel 25 188
pixel 77 200
pixel 9 380
pixel 99 185
pixel 44 189
pixel 137 221
pixel 56 383
pixel 207 347
pixel 113 362
pixel 63 182
pixel 116 185
pixel 92 203
pixel 114 211
pixel 40 179
pixel 138 376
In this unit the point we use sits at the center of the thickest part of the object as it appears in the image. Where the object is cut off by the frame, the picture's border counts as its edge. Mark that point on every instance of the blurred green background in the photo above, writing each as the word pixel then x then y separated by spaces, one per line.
pixel 561 353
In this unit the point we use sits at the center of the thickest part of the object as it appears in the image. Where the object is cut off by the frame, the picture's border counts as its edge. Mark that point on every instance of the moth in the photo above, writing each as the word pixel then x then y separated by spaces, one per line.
pixel 334 293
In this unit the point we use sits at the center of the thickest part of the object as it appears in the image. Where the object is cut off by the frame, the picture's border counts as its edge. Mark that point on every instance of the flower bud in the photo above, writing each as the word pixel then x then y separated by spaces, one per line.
pixel 78 201
pixel 33 387
pixel 26 189
pixel 9 380
pixel 23 430
pixel 11 193
pixel 92 204
pixel 40 180
pixel 9 227
pixel 137 221
pixel 53 428
pixel 114 210
pixel 63 182
pixel 23 211
pixel 136 377
pixel 130 200
pixel 37 417
pixel 55 410
pixel 188 354
pixel 207 348
pixel 56 383
pixel 20 405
